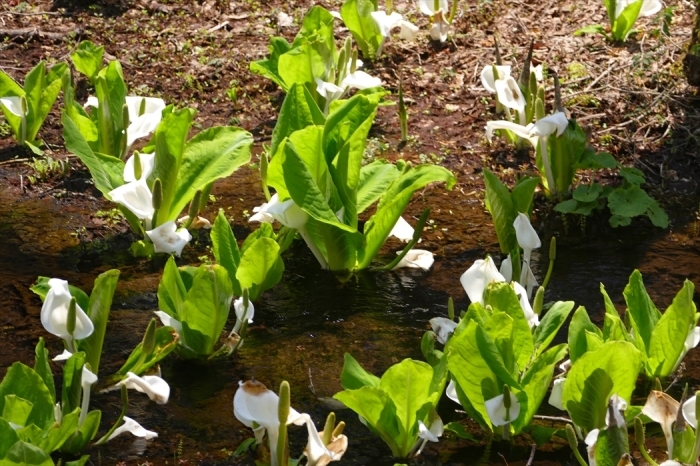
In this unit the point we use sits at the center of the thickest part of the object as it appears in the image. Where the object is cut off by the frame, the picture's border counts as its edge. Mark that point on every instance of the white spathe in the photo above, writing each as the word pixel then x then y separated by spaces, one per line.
pixel 488 80
pixel 431 434
pixel 478 276
pixel 86 382
pixel 287 213
pixel 13 104
pixel 402 230
pixel 649 7
pixel 168 239
pixel 134 428
pixel 328 91
pixel 140 124
pixel 663 409
pixel 416 259
pixel 689 412
pixel 509 94
pixel 619 405
pixel 385 22
pixel 554 123
pixel 591 440
pixel 409 31
pixel 527 279
pixel 135 196
pixel 691 341
pixel 317 453
pixel 54 313
pixel 451 392
pixel 506 269
pixel 65 356
pixel 555 397
pixel 532 319
pixel 440 27
pixel 498 414
pixel 526 235
pixel 427 7
pixel 148 161
pixel 155 387
pixel 256 407
pixel 169 321
pixel 443 328
pixel 242 313
pixel 360 80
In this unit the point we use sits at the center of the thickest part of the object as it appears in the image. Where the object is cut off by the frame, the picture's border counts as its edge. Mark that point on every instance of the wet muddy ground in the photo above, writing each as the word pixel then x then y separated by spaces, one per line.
pixel 639 109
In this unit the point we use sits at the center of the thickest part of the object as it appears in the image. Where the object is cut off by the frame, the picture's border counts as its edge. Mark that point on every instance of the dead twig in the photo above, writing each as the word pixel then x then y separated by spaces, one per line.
pixel 28 34
pixel 36 13
pixel 532 455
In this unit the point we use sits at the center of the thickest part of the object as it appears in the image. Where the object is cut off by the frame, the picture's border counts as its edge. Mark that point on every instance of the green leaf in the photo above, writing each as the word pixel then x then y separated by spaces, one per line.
pixel 612 443
pixel 631 175
pixel 25 454
pixel 377 409
pixel 580 324
pixel 206 309
pixel 642 312
pixel 375 179
pixel 86 432
pixel 16 410
pixel 300 65
pixel 587 192
pixel 625 20
pixel 87 58
pixel 460 431
pixel 170 138
pixel 72 378
pixel 317 29
pixel 522 195
pixel 42 90
pixel 629 202
pixel 657 215
pixel 597 375
pixel 8 437
pixel 225 249
pixel 471 372
pixel 491 354
pixel 59 433
pixel 212 154
pixel 357 18
pixel 354 376
pixel 166 341
pixel 261 267
pixel 550 325
pixel 564 153
pixel 9 88
pixel 269 66
pixel 500 205
pixel 590 159
pixel 344 138
pixel 408 386
pixel 98 311
pixel 394 202
pixel 105 170
pixel 591 29
pixel 667 343
pixel 171 290
pixel 42 367
pixel 619 221
pixel 298 111
pixel 502 298
pixel 536 381
pixel 24 383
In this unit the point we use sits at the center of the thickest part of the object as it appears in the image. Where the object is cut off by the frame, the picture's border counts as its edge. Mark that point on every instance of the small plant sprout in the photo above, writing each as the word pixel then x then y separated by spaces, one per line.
pixel 403 113
pixel 622 15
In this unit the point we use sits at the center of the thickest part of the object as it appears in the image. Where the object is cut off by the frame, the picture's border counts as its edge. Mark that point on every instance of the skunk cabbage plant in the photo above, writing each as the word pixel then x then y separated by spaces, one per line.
pixel 622 15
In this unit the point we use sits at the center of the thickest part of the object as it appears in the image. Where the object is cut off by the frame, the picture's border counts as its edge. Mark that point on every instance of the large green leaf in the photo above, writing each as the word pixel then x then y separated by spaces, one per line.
pixel 502 298
pixel 298 111
pixel 377 409
pixel 394 202
pixel 471 372
pixel 170 138
pixel 212 154
pixel 625 20
pixel 493 357
pixel 269 66
pixel 317 30
pixel 25 383
pixel 86 432
pixel 171 290
pixel 523 195
pixel 408 386
pixel 536 381
pixel 42 367
pixel 594 377
pixel 344 139
pixel 87 58
pixel 300 65
pixel 565 151
pixel 354 376
pixel 550 324
pixel 500 205
pixel 8 437
pixel 667 342
pixel 105 170
pixel 261 267
pixel 98 311
pixel 357 18
pixel 206 309
pixel 611 444
pixel 580 324
pixel 72 383
pixel 25 454
pixel 225 249
pixel 9 88
pixel 642 312
pixel 16 410
pixel 59 433
pixel 375 179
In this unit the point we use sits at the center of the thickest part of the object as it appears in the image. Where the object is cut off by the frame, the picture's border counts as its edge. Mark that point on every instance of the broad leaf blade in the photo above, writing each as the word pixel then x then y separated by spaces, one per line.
pixel 98 311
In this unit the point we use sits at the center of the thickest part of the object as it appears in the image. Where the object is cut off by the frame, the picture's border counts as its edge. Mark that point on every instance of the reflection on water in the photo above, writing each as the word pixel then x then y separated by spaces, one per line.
pixel 305 324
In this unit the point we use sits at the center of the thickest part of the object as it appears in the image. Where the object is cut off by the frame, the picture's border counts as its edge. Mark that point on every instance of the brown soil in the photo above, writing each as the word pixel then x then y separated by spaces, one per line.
pixel 633 97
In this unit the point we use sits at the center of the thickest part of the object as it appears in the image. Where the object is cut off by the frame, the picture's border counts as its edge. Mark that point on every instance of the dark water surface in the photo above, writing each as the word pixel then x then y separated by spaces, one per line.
pixel 305 324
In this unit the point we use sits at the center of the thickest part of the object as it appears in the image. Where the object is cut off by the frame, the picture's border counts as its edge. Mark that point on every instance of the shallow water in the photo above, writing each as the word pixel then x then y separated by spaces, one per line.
pixel 306 323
